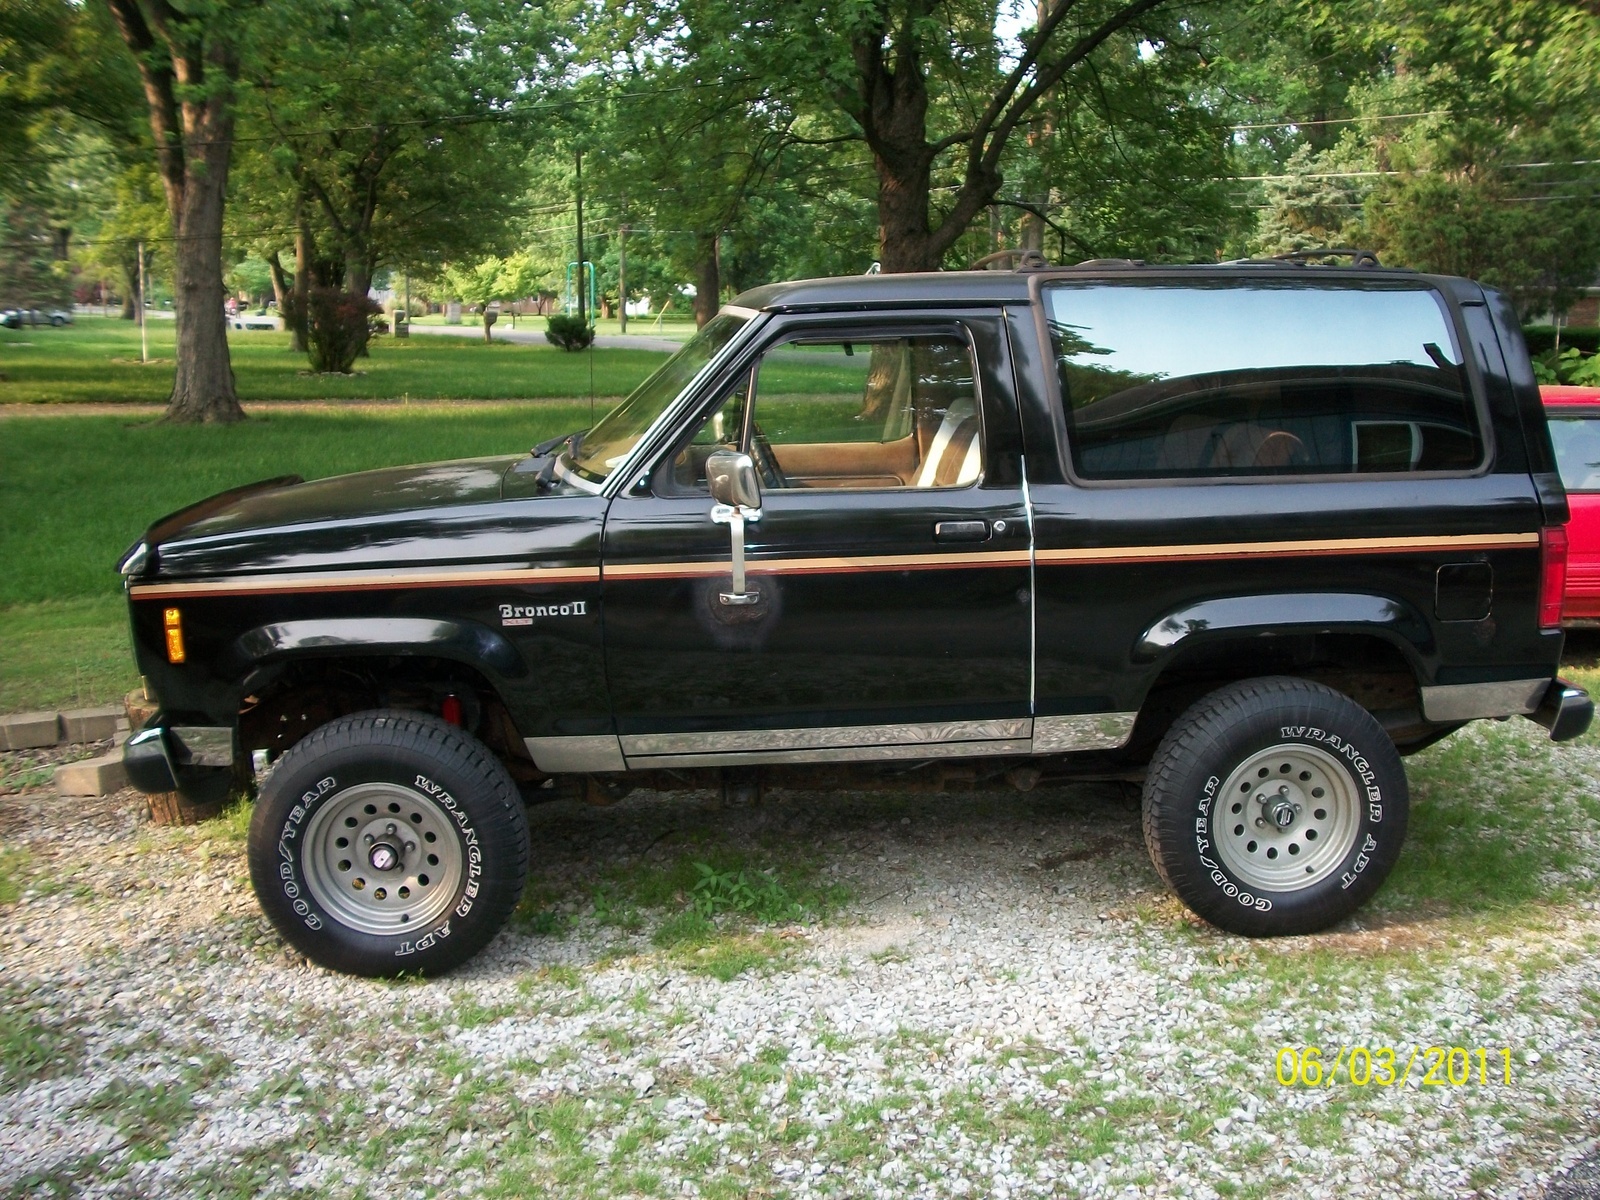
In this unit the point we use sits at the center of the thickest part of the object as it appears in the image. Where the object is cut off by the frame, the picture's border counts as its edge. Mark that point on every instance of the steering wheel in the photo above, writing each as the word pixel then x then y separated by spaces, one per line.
pixel 765 460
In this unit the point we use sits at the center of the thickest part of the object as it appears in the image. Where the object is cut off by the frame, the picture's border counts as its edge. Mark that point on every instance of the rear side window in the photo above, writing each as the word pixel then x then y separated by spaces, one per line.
pixel 1241 380
pixel 1577 443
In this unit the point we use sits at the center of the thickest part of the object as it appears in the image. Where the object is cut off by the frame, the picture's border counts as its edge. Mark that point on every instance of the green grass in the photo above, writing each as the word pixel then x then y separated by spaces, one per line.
pixel 64 654
pixel 76 492
pixel 97 359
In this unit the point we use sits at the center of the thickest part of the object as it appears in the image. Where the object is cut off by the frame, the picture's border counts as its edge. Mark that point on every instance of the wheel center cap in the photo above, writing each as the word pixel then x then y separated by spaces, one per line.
pixel 1282 814
pixel 383 857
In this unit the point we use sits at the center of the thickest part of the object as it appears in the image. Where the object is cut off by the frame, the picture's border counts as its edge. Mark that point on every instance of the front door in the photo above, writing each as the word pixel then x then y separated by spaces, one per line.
pixel 886 611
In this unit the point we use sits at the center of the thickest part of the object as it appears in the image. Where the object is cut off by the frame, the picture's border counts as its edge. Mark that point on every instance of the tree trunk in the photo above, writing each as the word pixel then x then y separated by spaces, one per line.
pixel 129 263
pixel 358 282
pixel 707 279
pixel 280 285
pixel 203 386
pixel 189 69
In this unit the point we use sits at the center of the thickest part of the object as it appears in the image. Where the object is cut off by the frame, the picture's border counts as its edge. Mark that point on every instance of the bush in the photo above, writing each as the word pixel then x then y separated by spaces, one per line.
pixel 1541 338
pixel 336 328
pixel 569 332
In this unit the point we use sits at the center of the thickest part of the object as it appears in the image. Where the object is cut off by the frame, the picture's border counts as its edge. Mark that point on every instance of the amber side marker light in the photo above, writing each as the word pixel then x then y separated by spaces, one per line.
pixel 173 620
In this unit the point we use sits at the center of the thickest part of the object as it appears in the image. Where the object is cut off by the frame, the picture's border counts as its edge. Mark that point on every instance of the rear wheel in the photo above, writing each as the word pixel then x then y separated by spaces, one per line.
pixel 1275 806
pixel 389 842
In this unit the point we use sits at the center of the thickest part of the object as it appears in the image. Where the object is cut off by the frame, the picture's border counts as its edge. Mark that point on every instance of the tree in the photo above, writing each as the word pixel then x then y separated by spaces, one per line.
pixel 918 81
pixel 489 280
pixel 391 128
pixel 188 60
pixel 1464 147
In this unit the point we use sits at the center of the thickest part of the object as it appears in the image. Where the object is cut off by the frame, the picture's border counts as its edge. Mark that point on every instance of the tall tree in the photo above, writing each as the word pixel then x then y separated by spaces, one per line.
pixel 392 125
pixel 188 61
pixel 927 86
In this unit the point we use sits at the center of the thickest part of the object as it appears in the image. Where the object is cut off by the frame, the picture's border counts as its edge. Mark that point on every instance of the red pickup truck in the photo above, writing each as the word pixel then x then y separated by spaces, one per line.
pixel 1574 414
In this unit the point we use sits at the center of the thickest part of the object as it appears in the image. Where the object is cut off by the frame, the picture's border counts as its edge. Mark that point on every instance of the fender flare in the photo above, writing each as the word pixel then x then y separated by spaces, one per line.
pixel 466 642
pixel 1265 614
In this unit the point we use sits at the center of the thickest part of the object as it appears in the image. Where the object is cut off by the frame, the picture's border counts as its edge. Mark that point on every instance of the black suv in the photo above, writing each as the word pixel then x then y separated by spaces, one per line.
pixel 1249 533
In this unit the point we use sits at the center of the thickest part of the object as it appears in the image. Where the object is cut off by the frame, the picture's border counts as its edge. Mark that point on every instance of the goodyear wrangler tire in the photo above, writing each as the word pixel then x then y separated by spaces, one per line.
pixel 1275 806
pixel 388 842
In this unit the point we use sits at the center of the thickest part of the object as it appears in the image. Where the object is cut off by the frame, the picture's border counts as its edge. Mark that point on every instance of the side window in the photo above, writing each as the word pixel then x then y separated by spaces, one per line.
pixel 1577 445
pixel 898 412
pixel 1250 379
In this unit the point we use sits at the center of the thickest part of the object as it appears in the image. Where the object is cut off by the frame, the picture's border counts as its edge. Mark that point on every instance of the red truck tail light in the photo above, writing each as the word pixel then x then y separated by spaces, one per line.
pixel 1552 574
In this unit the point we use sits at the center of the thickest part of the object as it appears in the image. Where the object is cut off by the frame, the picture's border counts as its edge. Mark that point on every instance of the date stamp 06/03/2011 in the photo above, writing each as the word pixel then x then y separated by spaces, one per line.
pixel 1383 1066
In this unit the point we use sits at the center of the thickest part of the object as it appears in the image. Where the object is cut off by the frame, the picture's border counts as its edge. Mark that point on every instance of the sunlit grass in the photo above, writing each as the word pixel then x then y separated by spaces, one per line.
pixel 97 359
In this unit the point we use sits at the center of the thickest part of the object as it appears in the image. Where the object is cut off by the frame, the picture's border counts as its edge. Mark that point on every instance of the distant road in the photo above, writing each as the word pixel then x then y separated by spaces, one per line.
pixel 535 336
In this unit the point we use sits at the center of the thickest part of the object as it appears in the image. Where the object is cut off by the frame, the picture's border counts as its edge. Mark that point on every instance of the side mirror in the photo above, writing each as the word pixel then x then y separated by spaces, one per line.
pixel 733 481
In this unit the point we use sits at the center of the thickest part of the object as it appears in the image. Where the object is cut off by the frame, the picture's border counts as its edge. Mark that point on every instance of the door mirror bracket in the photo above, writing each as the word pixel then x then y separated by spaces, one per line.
pixel 737 492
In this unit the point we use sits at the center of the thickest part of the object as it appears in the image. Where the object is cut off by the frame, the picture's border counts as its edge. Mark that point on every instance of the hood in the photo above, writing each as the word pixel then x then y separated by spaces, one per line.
pixel 363 495
pixel 394 516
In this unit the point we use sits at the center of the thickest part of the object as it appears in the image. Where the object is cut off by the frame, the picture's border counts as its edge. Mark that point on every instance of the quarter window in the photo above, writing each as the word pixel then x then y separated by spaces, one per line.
pixel 1241 380
pixel 898 412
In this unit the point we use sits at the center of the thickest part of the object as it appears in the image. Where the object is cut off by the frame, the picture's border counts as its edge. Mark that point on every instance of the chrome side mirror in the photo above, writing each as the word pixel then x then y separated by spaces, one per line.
pixel 733 481
pixel 737 493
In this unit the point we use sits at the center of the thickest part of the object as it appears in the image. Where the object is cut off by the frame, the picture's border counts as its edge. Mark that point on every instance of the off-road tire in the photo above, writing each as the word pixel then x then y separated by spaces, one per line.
pixel 459 839
pixel 1233 765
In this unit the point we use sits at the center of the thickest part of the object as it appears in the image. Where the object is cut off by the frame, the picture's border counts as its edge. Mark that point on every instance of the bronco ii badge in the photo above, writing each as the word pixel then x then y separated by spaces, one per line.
pixel 523 614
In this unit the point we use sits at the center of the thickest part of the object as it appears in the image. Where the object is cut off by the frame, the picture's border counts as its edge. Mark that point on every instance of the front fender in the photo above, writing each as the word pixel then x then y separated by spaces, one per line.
pixel 1395 621
pixel 464 641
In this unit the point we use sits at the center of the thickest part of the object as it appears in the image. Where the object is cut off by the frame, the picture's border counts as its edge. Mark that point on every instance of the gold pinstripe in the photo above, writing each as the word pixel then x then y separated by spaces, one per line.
pixel 1288 549
pixel 355 581
pixel 348 581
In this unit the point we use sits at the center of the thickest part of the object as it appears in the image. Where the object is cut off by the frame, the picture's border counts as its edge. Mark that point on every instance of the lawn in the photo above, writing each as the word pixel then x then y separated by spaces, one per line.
pixel 75 491
pixel 97 359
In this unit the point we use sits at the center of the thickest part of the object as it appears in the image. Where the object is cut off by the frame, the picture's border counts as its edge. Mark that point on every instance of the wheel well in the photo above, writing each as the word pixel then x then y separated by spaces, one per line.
pixel 1370 670
pixel 289 700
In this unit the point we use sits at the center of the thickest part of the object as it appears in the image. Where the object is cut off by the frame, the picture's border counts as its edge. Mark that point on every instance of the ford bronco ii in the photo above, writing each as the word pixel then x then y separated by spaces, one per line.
pixel 1248 533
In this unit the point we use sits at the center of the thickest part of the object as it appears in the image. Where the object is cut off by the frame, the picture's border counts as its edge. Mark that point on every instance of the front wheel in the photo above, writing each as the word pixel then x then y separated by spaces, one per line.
pixel 388 842
pixel 1275 806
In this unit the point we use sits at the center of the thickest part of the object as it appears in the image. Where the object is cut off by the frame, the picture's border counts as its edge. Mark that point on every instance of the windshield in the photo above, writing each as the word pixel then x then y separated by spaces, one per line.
pixel 603 449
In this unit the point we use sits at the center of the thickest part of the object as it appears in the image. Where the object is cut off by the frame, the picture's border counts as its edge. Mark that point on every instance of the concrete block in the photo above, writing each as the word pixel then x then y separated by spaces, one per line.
pixel 91 724
pixel 93 776
pixel 28 731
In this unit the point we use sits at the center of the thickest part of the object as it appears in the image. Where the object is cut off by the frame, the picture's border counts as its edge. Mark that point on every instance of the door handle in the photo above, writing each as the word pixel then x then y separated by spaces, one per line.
pixel 961 531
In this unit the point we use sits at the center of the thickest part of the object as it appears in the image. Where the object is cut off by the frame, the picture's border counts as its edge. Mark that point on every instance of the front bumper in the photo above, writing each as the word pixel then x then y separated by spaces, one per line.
pixel 196 761
pixel 1565 711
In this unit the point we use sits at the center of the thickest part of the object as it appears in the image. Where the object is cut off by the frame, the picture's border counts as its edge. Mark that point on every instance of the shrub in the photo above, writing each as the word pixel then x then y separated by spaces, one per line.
pixel 569 332
pixel 1541 338
pixel 336 328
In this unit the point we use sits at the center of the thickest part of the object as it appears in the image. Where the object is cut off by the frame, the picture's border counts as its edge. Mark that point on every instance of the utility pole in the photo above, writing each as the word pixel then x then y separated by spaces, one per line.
pixel 144 334
pixel 580 238
pixel 622 267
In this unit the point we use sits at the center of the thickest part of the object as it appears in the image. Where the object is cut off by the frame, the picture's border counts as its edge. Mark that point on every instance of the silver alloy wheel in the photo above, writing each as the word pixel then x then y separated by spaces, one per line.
pixel 1286 818
pixel 382 858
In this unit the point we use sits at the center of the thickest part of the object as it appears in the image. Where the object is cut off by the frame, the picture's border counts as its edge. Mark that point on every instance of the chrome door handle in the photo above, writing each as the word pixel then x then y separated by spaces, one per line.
pixel 734 516
pixel 961 531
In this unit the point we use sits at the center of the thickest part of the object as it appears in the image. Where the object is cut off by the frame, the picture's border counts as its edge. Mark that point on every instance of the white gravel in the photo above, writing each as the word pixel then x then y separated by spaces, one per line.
pixel 1010 1006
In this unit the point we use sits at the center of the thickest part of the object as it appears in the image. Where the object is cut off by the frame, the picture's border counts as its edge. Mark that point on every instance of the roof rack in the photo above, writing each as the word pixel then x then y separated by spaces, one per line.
pixel 1026 260
pixel 1358 258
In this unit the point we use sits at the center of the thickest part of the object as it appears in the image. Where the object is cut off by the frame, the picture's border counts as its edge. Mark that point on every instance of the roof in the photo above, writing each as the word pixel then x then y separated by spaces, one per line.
pixel 986 288
pixel 1557 394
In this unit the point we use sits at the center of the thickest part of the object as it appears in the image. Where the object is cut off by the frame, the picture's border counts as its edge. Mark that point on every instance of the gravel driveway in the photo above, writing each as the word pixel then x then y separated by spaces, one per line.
pixel 997 1000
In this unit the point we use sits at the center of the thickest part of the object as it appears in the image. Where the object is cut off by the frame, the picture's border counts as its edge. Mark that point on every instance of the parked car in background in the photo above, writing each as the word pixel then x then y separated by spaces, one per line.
pixel 1574 414
pixel 16 318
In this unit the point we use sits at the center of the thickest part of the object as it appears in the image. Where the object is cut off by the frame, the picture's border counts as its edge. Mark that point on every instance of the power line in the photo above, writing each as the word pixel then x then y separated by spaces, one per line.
pixel 1437 112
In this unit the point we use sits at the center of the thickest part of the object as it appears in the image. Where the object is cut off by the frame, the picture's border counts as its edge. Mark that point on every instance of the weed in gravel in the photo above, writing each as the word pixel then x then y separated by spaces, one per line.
pixel 728 956
pixel 16 869
pixel 147 1114
pixel 30 1047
